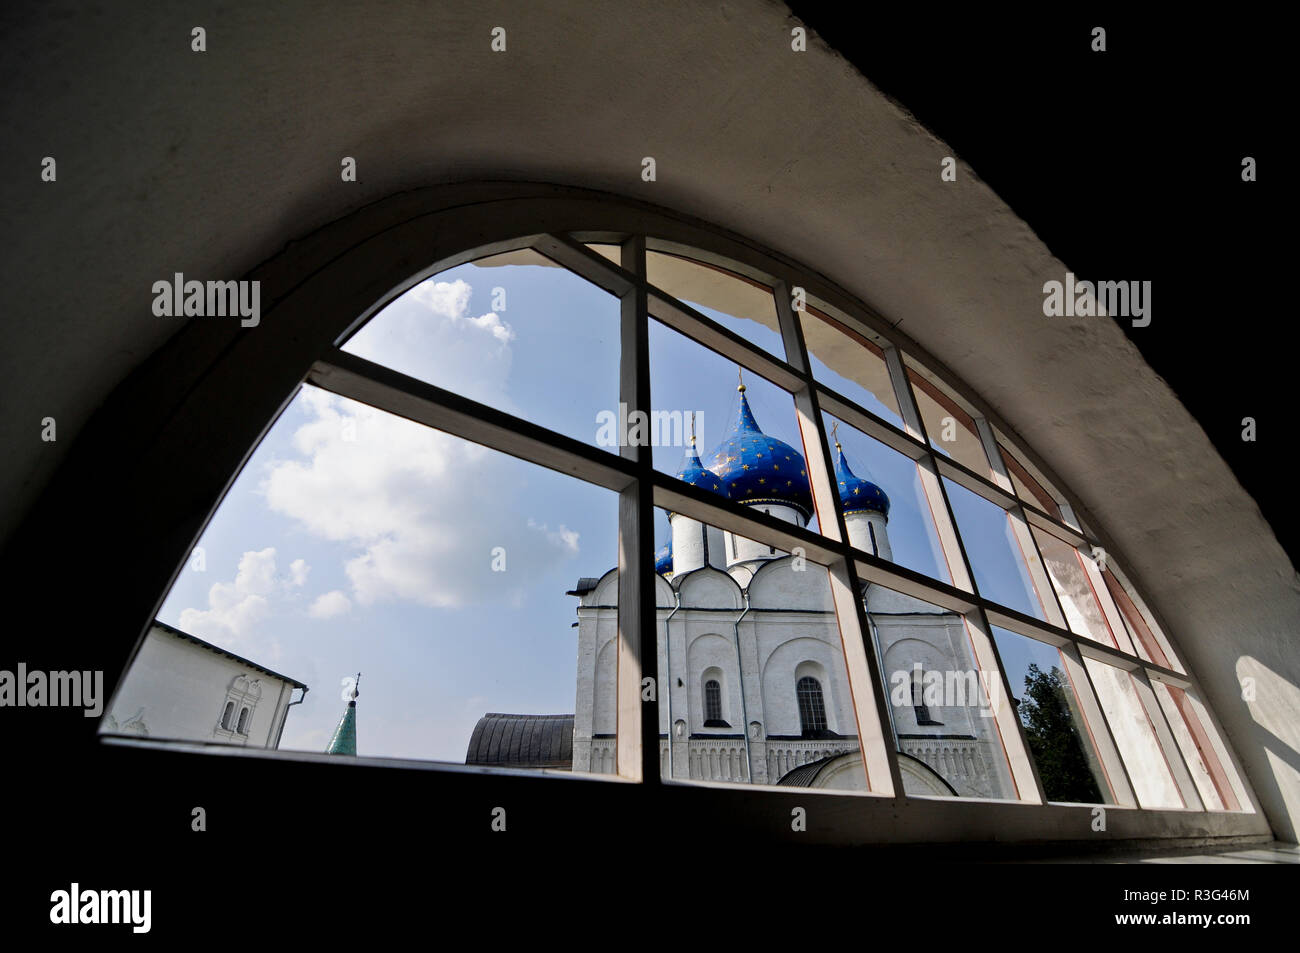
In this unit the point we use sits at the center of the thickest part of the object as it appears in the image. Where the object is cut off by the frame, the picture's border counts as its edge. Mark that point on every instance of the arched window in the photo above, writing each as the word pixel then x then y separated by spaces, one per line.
pixel 987 519
pixel 227 715
pixel 713 705
pixel 919 706
pixel 812 707
pixel 243 721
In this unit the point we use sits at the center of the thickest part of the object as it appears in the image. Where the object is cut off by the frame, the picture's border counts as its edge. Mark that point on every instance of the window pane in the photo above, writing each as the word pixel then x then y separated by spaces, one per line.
pixel 850 365
pixel 996 557
pixel 1059 737
pixel 737 303
pixel 748 446
pixel 1028 488
pixel 356 541
pixel 613 252
pixel 941 703
pixel 886 509
pixel 1195 741
pixel 762 625
pixel 952 431
pixel 1078 601
pixel 1149 646
pixel 1136 739
pixel 516 332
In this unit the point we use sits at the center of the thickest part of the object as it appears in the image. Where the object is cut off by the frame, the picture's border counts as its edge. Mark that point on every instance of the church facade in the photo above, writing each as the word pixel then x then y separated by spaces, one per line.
pixel 754 687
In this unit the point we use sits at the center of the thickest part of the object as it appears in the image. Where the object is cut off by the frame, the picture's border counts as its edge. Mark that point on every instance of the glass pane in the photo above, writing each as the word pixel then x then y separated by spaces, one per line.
pixel 941 703
pixel 1148 645
pixel 850 365
pixel 951 429
pixel 748 446
pixel 760 623
pixel 516 332
pixel 884 502
pixel 1136 739
pixel 737 303
pixel 1078 601
pixel 1028 488
pixel 613 252
pixel 995 555
pixel 1200 753
pixel 356 541
pixel 1059 738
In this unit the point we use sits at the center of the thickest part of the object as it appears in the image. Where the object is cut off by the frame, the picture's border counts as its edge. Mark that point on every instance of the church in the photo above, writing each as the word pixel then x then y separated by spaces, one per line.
pixel 756 685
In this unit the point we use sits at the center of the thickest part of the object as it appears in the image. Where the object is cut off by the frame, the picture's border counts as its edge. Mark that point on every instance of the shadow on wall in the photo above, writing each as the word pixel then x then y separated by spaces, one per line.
pixel 1274 703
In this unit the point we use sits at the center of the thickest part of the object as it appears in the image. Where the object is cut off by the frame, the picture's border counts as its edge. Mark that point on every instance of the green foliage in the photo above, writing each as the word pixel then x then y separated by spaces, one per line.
pixel 1054 739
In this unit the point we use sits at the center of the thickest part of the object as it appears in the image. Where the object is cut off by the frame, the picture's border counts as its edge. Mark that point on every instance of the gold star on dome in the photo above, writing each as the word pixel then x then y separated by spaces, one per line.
pixel 744 466
pixel 762 480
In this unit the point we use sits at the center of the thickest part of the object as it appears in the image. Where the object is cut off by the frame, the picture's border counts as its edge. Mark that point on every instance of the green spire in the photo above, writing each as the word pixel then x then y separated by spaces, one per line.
pixel 345 735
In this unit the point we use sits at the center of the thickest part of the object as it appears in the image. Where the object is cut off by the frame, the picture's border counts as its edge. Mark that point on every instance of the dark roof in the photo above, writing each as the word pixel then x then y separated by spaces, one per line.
pixel 804 775
pixel 584 586
pixel 522 741
pixel 172 630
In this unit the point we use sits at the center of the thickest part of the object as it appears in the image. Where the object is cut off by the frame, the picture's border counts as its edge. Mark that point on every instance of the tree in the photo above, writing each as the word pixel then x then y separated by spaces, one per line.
pixel 1054 739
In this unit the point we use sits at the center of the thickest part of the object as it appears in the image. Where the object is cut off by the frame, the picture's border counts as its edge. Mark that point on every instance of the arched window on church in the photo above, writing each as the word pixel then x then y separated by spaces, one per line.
pixel 713 705
pixel 812 707
pixel 243 721
pixel 227 715
pixel 875 549
pixel 918 701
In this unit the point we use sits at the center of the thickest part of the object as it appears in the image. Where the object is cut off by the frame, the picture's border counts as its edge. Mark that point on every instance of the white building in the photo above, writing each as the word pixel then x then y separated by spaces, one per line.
pixel 756 686
pixel 184 689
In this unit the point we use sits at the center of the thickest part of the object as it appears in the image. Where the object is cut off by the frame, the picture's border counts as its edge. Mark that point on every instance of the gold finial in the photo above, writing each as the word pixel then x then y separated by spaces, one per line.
pixel 740 376
pixel 692 428
pixel 835 436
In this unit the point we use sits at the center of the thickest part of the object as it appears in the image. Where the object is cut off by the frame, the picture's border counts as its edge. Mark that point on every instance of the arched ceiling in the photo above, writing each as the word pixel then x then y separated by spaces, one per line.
pixel 208 163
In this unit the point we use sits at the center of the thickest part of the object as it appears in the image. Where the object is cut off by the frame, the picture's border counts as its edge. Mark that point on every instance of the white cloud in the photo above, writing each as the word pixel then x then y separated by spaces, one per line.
pixel 563 538
pixel 424 510
pixel 234 609
pixel 329 605
pixel 428 333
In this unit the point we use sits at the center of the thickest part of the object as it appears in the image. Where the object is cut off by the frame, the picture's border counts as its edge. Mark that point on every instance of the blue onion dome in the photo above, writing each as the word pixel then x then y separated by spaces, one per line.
pixel 694 473
pixel 664 559
pixel 856 494
pixel 756 468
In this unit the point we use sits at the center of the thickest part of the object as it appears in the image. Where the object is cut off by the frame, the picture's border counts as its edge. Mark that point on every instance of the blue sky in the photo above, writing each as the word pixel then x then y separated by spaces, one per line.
pixel 357 541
